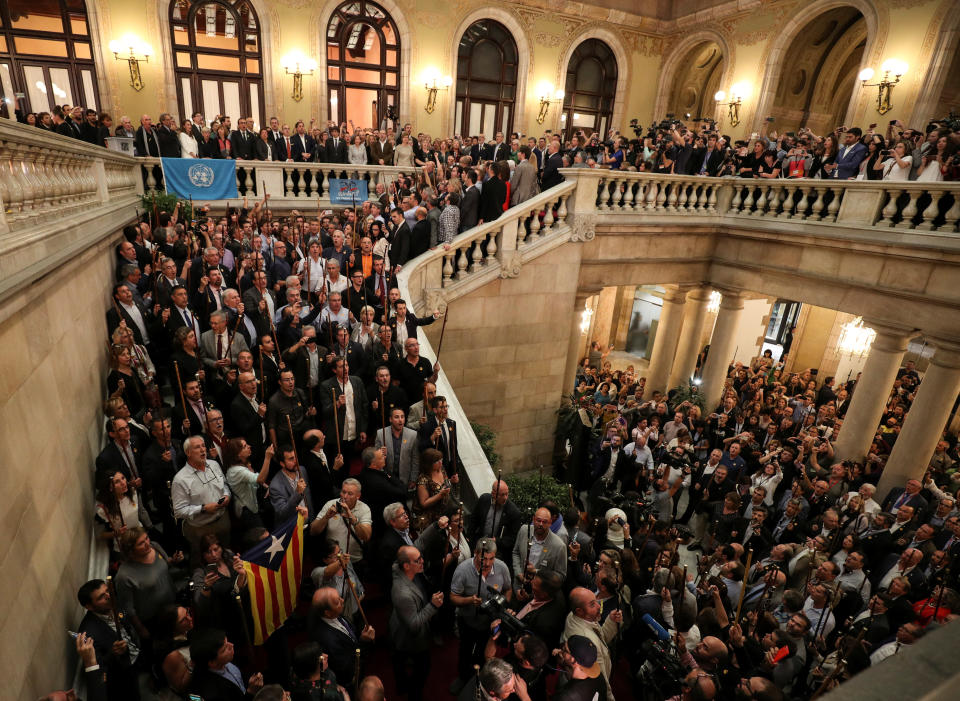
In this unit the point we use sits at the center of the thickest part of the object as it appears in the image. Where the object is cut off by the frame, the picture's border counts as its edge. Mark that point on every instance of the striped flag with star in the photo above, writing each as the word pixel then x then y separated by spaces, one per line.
pixel 273 570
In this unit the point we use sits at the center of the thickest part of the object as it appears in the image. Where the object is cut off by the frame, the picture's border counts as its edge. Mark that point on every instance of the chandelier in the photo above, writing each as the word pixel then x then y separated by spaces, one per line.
pixel 855 338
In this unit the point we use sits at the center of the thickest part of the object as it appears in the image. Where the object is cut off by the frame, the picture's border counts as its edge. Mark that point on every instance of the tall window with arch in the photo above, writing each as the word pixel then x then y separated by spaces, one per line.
pixel 217 54
pixel 45 56
pixel 590 89
pixel 486 79
pixel 363 63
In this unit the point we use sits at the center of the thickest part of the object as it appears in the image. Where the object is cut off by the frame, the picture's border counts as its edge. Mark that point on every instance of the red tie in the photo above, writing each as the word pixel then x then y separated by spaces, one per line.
pixel 380 290
pixel 288 148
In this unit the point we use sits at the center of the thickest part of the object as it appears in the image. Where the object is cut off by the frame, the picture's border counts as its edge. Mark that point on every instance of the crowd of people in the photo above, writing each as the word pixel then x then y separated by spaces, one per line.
pixel 694 147
pixel 265 366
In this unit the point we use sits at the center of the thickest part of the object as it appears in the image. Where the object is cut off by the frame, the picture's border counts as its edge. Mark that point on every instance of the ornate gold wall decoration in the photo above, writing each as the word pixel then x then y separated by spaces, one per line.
pixel 547 39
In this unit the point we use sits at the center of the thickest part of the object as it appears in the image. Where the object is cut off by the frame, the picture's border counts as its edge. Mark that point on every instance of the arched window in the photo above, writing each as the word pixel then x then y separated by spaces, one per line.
pixel 590 89
pixel 486 79
pixel 217 54
pixel 363 63
pixel 45 55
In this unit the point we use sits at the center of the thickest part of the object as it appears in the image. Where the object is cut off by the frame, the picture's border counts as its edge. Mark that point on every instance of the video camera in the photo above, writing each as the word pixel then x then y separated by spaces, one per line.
pixel 495 606
pixel 659 676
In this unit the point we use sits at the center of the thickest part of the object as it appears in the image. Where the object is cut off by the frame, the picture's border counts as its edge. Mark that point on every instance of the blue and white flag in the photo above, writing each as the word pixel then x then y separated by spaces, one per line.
pixel 201 179
pixel 347 191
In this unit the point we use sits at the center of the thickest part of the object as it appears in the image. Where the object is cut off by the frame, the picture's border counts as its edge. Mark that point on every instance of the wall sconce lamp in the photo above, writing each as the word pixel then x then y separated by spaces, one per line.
pixel 737 93
pixel 547 97
pixel 885 86
pixel 433 83
pixel 297 65
pixel 134 52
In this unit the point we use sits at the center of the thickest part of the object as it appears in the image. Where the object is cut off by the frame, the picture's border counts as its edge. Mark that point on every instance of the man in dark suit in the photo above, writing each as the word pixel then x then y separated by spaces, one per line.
pixel 497 150
pixel 380 489
pixel 420 236
pixel 381 153
pixel 547 617
pixel 554 161
pixel 410 632
pixel 440 432
pixel 492 196
pixel 283 145
pixel 850 155
pixel 193 423
pixel 392 523
pixel 120 454
pixel 826 393
pixel 611 462
pixel 400 242
pixel 161 461
pixel 508 518
pixel 378 284
pixel 706 161
pixel 333 405
pixel 89 129
pixel 167 139
pixel 409 320
pixel 274 133
pixel 303 149
pixel 470 203
pixel 214 674
pixel 241 141
pixel 125 309
pixel 336 148
pixel 335 634
pixel 117 653
pixel 352 352
pixel 196 128
pixel 908 495
pixel 325 478
pixel 145 143
pixel 247 414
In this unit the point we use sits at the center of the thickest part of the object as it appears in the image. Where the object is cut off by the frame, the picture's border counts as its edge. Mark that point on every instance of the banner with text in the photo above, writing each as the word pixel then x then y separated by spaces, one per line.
pixel 347 191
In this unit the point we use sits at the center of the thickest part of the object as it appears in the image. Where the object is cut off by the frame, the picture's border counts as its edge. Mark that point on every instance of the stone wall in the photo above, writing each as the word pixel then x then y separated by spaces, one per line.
pixel 504 352
pixel 52 371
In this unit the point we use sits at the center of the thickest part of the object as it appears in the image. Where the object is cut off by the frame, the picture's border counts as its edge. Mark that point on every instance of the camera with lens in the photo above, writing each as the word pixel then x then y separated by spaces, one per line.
pixel 637 128
pixel 659 676
pixel 392 114
pixel 495 606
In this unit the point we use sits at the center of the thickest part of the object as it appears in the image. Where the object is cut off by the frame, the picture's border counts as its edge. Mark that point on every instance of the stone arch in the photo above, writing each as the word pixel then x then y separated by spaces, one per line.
pixel 938 65
pixel 269 33
pixel 524 63
pixel 318 45
pixel 623 70
pixel 776 55
pixel 668 71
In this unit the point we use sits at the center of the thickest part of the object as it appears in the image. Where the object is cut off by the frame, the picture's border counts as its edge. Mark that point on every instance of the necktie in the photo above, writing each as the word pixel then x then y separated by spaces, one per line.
pixel 219 346
pixel 346 624
pixel 381 291
pixel 288 148
pixel 187 318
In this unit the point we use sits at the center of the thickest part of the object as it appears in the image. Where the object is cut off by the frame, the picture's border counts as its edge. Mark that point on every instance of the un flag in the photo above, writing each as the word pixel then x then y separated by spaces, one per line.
pixel 201 179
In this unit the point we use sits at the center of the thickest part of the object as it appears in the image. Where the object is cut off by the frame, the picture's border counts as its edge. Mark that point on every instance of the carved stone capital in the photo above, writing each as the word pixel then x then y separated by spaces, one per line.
pixel 584 227
pixel 510 264
pixel 434 298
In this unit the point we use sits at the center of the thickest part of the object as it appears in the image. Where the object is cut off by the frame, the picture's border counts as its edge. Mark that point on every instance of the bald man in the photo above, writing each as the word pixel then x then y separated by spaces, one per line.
pixel 584 618
pixel 335 634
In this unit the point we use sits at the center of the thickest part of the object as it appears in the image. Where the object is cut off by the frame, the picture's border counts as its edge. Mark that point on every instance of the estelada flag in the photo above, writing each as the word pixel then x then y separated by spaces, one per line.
pixel 273 570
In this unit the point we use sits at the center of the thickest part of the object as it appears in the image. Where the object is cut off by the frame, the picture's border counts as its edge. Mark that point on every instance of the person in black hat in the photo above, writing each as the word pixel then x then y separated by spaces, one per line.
pixel 579 658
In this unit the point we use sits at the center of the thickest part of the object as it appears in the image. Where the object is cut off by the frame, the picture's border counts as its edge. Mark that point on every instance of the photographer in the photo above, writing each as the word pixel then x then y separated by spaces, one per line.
pixel 584 679
pixel 526 653
pixel 483 579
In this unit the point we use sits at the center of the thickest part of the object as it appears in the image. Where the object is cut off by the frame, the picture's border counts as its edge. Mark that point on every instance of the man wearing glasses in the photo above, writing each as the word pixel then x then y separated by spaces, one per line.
pixel 413 607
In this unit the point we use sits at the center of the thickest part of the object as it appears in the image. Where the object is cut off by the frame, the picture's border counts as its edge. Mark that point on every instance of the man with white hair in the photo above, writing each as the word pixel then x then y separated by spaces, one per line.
pixel 200 497
pixel 866 492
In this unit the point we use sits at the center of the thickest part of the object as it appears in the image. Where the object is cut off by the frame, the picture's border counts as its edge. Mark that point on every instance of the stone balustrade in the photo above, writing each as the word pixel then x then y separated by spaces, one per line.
pixel 58 196
pixel 876 205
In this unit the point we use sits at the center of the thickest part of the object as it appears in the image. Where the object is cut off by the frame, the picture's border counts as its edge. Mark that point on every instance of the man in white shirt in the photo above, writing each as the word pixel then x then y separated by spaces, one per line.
pixel 345 520
pixel 200 497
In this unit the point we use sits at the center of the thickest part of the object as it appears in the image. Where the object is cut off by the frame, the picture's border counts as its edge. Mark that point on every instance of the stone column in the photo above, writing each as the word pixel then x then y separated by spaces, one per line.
pixel 665 342
pixel 723 344
pixel 870 395
pixel 575 351
pixel 925 421
pixel 688 348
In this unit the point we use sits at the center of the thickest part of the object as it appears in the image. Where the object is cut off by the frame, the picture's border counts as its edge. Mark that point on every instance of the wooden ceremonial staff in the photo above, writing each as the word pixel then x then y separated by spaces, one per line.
pixel 263 379
pixel 443 328
pixel 743 589
pixel 246 629
pixel 293 444
pixel 183 401
pixel 353 590
pixel 309 388
pixel 336 426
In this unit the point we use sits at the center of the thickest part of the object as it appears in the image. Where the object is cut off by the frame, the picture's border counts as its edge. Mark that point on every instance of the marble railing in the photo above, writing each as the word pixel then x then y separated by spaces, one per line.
pixel 474 258
pixel 57 197
pixel 877 205
pixel 295 184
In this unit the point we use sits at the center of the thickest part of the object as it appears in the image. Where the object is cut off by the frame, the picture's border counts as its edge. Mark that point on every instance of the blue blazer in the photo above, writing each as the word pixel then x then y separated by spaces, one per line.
pixel 297 151
pixel 848 163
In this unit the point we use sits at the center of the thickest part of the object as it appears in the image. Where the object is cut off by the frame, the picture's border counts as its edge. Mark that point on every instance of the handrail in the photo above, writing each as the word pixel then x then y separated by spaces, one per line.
pixel 929 207
pixel 475 257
